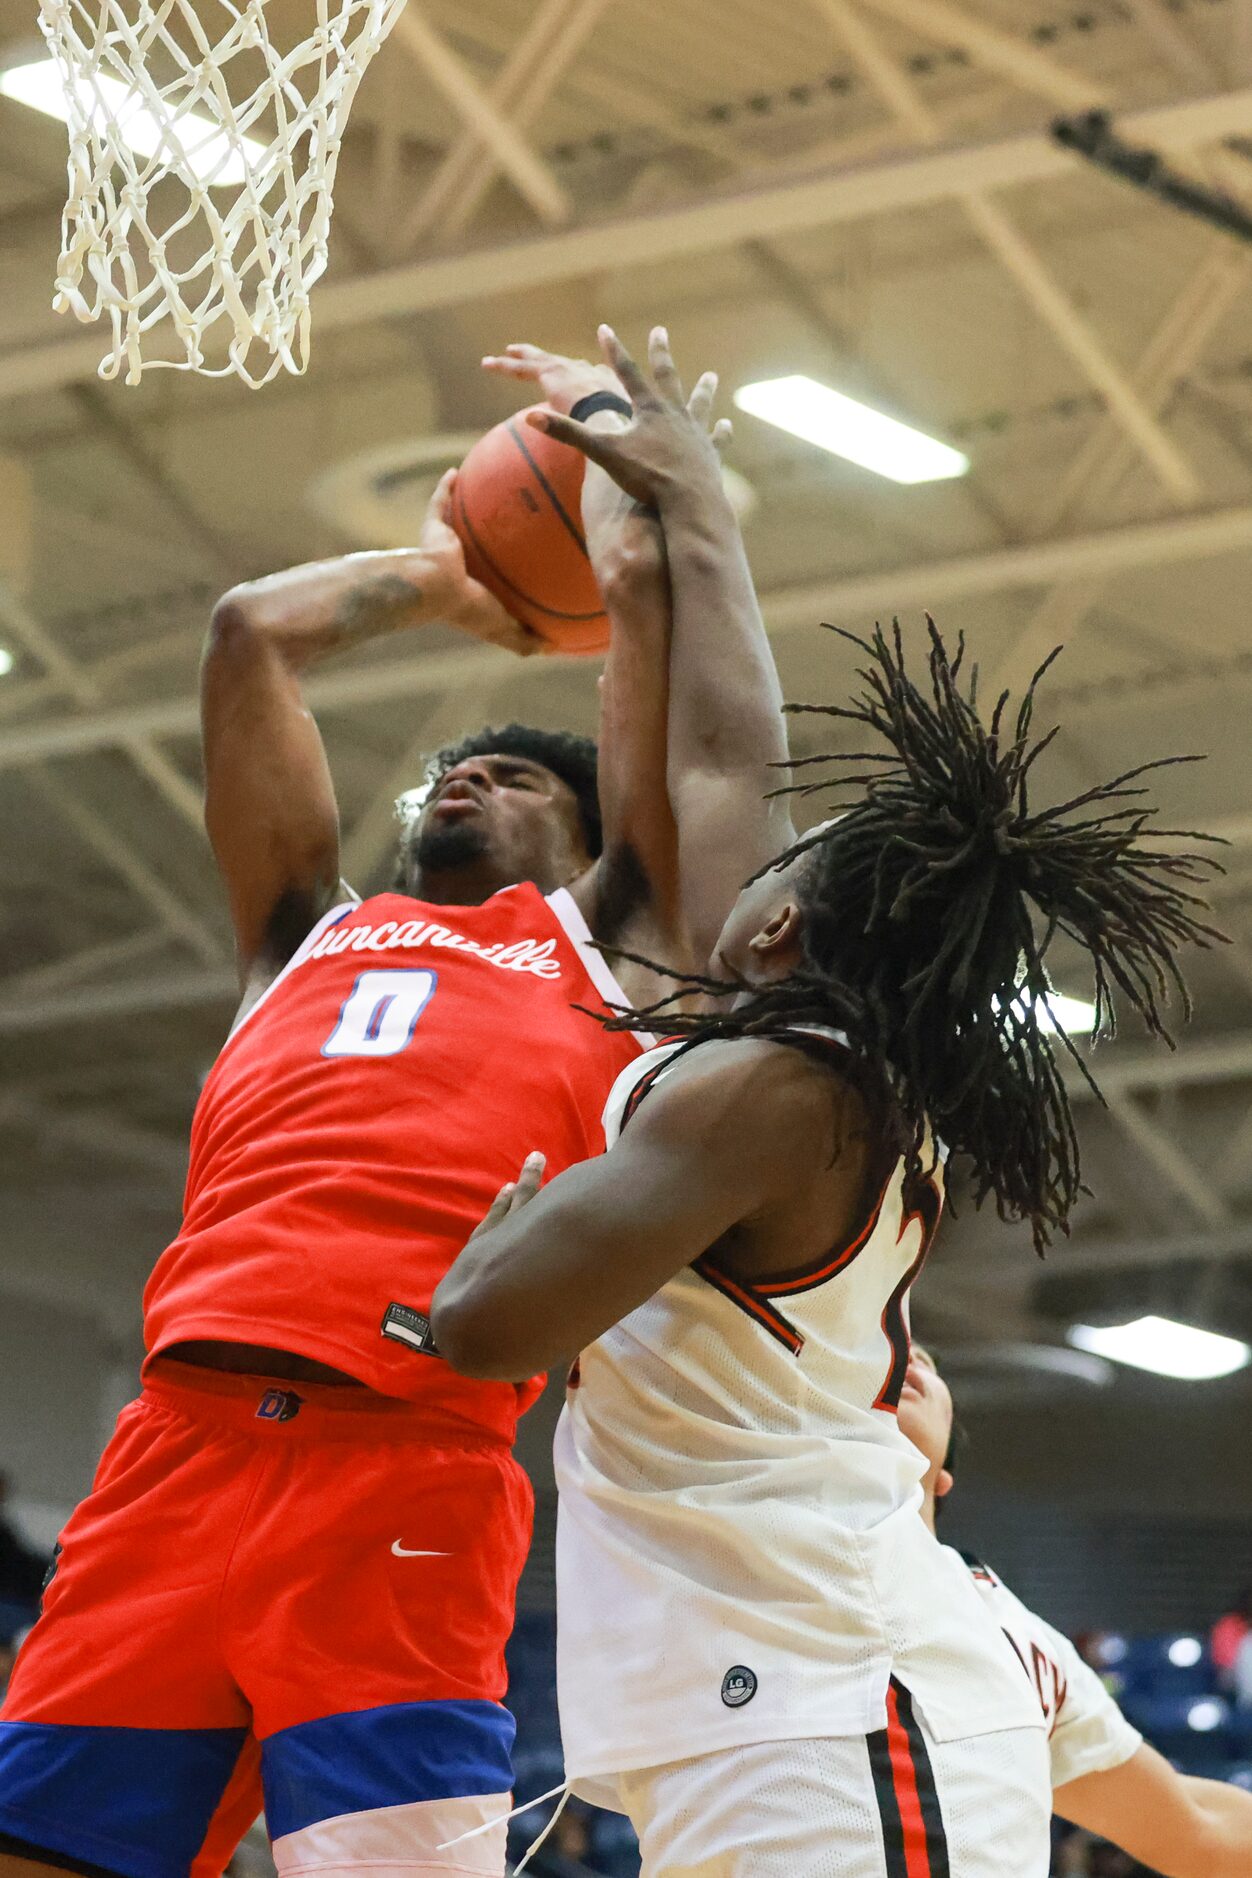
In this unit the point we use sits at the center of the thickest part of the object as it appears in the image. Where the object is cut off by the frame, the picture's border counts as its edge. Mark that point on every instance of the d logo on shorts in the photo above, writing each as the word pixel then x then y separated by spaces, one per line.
pixel 278 1405
pixel 738 1686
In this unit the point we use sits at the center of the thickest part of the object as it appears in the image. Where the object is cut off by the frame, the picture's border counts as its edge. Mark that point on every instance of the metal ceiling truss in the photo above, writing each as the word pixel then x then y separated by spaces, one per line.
pixel 498 120
pixel 723 219
pixel 1102 552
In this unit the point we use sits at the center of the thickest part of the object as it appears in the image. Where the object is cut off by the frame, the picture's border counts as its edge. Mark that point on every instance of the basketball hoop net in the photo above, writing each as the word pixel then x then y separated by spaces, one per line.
pixel 201 170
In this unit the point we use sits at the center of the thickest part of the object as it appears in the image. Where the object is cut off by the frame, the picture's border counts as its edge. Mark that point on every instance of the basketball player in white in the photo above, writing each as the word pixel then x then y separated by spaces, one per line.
pixel 765 1658
pixel 1105 1777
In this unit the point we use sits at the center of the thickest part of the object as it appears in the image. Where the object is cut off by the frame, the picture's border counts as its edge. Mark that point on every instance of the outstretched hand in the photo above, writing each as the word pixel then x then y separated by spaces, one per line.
pixel 670 446
pixel 562 381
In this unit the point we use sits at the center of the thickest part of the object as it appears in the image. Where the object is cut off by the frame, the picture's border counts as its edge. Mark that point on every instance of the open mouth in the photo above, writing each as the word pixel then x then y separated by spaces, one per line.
pixel 458 797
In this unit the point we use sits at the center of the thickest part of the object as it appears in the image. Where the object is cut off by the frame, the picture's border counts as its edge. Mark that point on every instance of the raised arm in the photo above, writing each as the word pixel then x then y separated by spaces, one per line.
pixel 269 802
pixel 730 1134
pixel 1180 1826
pixel 726 729
pixel 630 897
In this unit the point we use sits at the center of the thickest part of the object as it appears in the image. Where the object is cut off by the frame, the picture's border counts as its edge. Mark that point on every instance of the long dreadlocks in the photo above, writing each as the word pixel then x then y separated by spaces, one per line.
pixel 930 904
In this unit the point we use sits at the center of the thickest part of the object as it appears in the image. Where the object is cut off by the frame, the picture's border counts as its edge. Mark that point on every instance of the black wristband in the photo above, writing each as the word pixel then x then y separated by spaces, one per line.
pixel 600 401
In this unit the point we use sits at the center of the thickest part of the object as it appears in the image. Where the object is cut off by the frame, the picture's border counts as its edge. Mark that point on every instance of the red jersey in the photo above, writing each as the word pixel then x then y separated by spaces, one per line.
pixel 361 1119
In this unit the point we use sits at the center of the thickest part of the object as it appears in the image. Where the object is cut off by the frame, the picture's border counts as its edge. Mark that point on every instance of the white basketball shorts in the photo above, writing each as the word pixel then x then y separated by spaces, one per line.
pixel 894 1804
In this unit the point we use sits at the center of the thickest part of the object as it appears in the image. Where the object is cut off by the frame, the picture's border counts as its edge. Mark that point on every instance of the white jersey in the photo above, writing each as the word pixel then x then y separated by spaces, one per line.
pixel 1087 1732
pixel 740 1554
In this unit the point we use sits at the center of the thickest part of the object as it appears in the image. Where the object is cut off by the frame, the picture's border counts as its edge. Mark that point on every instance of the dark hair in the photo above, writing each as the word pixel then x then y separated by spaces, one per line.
pixel 573 759
pixel 930 905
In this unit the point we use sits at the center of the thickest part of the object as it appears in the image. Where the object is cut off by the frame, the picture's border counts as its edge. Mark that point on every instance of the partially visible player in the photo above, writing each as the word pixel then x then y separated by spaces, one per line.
pixel 296 1568
pixel 1105 1777
pixel 764 1657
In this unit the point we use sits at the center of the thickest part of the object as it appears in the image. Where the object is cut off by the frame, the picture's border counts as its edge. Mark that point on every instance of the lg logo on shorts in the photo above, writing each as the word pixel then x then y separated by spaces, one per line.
pixel 738 1686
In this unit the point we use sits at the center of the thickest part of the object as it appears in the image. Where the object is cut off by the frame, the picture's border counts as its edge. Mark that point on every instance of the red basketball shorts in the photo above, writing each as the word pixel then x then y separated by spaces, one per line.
pixel 295 1596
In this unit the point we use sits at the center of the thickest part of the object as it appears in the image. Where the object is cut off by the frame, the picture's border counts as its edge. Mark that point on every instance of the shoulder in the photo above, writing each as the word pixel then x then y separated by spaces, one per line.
pixel 1010 1610
pixel 1025 1625
pixel 787 1095
pixel 978 1569
pixel 992 1585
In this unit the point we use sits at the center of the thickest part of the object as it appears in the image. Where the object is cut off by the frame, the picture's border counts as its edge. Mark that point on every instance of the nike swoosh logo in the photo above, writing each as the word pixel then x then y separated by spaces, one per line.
pixel 402 1551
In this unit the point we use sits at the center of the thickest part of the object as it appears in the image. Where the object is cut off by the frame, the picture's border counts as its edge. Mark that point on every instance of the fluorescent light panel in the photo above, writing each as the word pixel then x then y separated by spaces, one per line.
pixel 846 428
pixel 1072 1015
pixel 1165 1347
pixel 1075 1016
pixel 7 661
pixel 200 144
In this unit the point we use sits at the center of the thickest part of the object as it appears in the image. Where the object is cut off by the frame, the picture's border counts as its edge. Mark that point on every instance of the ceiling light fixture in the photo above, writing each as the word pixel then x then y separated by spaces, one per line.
pixel 1165 1347
pixel 7 661
pixel 199 143
pixel 822 416
pixel 1075 1016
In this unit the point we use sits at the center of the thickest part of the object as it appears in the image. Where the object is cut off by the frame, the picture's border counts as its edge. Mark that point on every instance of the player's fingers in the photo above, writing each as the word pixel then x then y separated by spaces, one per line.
pixel 528 1182
pixel 441 500
pixel 664 370
pixel 504 367
pixel 595 444
pixel 638 390
pixel 486 619
pixel 498 1209
pixel 511 636
pixel 700 403
pixel 723 435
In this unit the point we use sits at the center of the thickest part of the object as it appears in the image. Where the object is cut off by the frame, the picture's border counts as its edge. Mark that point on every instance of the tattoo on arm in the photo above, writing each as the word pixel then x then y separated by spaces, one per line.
pixel 384 604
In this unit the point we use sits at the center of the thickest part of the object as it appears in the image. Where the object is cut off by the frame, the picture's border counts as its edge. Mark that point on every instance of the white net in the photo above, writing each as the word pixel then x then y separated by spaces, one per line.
pixel 201 170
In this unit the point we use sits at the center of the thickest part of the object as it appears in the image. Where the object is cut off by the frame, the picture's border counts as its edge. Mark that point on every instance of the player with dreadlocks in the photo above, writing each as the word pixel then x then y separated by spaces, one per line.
pixel 294 1577
pixel 764 1657
pixel 928 906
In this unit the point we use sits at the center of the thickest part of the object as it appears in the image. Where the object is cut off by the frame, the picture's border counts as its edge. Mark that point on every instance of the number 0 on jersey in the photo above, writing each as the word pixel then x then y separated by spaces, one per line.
pixel 380 1013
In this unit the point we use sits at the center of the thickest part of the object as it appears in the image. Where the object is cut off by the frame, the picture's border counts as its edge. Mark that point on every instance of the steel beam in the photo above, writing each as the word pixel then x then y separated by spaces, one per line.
pixel 130 998
pixel 1174 45
pixel 103 839
pixel 1086 1252
pixel 77 968
pixel 1003 239
pixel 721 220
pixel 1100 468
pixel 854 599
pixel 449 73
pixel 1162 1152
pixel 533 67
pixel 457 161
pixel 166 778
pixel 1010 58
pixel 1118 1070
pixel 563 48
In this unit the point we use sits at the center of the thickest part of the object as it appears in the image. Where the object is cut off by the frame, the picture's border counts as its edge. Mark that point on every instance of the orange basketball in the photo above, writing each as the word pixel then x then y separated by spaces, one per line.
pixel 518 512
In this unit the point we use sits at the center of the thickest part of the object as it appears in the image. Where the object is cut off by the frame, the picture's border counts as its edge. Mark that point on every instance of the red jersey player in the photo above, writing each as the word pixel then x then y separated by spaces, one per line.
pixel 296 1568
